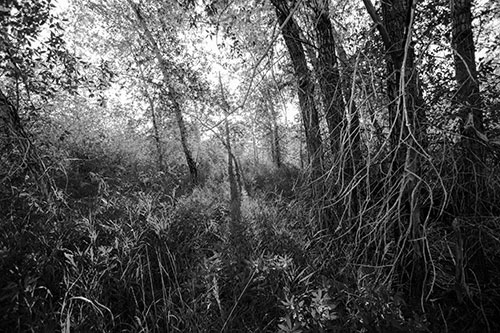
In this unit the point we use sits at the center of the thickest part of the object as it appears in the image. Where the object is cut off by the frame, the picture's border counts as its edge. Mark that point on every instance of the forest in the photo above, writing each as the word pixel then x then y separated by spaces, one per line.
pixel 249 166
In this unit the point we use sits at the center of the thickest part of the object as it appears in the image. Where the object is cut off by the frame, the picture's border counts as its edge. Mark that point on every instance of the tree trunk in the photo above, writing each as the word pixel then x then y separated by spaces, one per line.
pixel 173 96
pixel 276 140
pixel 235 205
pixel 291 34
pixel 275 135
pixel 347 79
pixel 354 158
pixel 329 76
pixel 254 145
pixel 343 127
pixel 406 136
pixel 155 127
pixel 234 176
pixel 405 103
pixel 468 99
pixel 193 169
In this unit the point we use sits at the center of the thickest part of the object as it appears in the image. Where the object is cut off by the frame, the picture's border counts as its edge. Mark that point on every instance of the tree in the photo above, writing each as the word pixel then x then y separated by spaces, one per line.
pixel 405 114
pixel 154 118
pixel 468 100
pixel 232 170
pixel 31 73
pixel 272 119
pixel 327 69
pixel 172 93
pixel 292 35
pixel 342 123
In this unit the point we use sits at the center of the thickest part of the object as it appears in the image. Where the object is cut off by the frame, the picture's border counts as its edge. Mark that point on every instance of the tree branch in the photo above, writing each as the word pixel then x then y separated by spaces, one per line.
pixel 378 22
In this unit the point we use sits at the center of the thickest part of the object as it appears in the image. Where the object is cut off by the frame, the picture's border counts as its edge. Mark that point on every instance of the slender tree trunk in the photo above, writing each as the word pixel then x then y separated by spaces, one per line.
pixel 235 205
pixel 276 141
pixel 301 150
pixel 193 169
pixel 155 127
pixel 234 176
pixel 468 99
pixel 239 178
pixel 291 34
pixel 154 119
pixel 172 94
pixel 275 135
pixel 254 145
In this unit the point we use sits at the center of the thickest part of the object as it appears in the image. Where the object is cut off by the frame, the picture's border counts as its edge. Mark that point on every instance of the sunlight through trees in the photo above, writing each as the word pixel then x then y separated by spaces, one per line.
pixel 249 166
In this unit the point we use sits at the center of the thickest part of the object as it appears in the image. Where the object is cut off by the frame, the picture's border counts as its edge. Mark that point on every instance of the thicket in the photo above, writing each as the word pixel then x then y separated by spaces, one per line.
pixel 103 228
pixel 125 247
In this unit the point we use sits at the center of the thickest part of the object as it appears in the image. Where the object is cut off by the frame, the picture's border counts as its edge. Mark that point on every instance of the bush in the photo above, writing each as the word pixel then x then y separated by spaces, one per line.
pixel 271 181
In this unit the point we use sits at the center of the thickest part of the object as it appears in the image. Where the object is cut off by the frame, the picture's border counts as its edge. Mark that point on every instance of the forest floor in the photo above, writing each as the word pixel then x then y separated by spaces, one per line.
pixel 137 252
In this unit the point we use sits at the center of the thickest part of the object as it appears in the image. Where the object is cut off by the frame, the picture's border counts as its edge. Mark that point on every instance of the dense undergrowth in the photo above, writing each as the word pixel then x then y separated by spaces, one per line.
pixel 132 249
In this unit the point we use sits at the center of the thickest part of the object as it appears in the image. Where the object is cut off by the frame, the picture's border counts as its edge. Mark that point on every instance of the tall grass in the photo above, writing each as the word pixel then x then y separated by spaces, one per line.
pixel 140 255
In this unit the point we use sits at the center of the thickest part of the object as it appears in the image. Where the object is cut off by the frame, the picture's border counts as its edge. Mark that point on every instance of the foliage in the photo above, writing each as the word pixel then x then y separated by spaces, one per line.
pixel 120 240
pixel 272 181
pixel 139 255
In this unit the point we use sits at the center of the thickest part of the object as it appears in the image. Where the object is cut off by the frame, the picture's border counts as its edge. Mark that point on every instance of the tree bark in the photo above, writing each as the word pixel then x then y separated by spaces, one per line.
pixel 329 76
pixel 468 99
pixel 291 34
